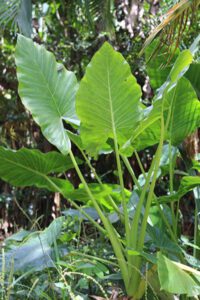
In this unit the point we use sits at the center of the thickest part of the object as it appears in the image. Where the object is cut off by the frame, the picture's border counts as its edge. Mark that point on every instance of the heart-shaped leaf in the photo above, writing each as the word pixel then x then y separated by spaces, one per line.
pixel 47 89
pixel 107 101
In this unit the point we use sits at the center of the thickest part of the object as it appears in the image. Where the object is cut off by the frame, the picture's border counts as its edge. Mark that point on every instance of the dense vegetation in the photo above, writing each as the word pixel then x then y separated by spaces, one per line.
pixel 99 150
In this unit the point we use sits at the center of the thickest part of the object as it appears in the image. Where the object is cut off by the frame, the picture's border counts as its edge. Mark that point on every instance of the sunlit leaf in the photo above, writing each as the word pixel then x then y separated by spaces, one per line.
pixel 107 102
pixel 181 113
pixel 173 25
pixel 174 277
pixel 100 193
pixel 47 89
pixel 157 68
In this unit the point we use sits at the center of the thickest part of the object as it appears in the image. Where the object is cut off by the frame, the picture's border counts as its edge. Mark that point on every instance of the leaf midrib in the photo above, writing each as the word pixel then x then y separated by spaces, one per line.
pixel 110 104
pixel 25 167
pixel 53 98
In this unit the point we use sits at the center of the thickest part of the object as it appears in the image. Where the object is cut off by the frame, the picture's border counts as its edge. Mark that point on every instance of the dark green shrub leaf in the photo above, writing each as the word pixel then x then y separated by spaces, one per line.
pixel 193 75
pixel 184 109
pixel 36 251
pixel 188 183
pixel 31 167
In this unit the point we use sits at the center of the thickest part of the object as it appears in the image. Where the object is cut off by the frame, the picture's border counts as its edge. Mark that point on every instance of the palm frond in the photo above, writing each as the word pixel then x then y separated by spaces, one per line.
pixel 9 11
pixel 100 10
pixel 16 13
pixel 174 24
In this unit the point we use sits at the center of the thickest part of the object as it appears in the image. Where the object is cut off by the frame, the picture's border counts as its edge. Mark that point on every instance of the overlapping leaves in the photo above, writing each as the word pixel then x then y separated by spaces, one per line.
pixel 180 106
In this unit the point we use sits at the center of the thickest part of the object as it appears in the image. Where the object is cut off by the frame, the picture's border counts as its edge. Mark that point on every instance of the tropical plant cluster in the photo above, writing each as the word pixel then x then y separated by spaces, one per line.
pixel 113 239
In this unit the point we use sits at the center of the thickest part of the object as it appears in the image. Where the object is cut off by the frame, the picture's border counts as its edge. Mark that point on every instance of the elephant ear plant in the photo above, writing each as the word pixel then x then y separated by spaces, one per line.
pixel 107 111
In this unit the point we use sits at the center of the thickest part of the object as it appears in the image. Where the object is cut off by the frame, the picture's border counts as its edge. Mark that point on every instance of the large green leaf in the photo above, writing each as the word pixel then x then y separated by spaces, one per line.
pixel 157 68
pixel 193 74
pixel 162 76
pixel 31 167
pixel 188 183
pixel 107 101
pixel 100 193
pixel 147 133
pixel 184 109
pixel 35 252
pixel 175 279
pixel 76 139
pixel 178 70
pixel 183 113
pixel 180 66
pixel 47 89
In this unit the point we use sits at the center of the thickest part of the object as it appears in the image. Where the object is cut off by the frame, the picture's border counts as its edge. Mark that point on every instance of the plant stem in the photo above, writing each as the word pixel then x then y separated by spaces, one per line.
pixel 105 261
pixel 139 163
pixel 176 216
pixel 131 172
pixel 126 161
pixel 113 236
pixel 135 222
pixel 173 237
pixel 136 261
pixel 152 186
pixel 171 187
pixel 196 252
pixel 100 228
pixel 125 210
pixel 135 278
pixel 115 207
